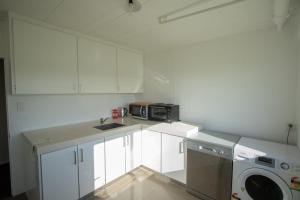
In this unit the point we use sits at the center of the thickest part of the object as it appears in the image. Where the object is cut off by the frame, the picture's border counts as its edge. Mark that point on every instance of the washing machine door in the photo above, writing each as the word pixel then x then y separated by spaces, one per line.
pixel 261 184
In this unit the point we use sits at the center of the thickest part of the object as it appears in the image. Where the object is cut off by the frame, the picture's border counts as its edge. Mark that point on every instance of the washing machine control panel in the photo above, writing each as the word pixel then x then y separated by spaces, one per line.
pixel 290 167
pixel 265 161
pixel 285 166
pixel 269 162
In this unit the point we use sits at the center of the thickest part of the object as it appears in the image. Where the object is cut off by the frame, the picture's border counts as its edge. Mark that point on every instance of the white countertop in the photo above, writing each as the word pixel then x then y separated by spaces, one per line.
pixel 180 129
pixel 215 138
pixel 252 148
pixel 55 138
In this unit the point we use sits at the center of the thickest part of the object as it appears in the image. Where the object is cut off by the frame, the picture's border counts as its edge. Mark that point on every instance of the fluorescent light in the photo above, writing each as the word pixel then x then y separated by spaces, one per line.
pixel 195 8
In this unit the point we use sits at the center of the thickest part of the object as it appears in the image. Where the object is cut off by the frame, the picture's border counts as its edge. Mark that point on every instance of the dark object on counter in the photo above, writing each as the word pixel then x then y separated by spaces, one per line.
pixel 163 112
pixel 139 110
pixel 109 126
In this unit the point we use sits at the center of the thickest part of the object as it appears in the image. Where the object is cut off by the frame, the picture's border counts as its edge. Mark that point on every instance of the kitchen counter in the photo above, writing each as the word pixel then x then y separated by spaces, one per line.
pixel 216 138
pixel 54 138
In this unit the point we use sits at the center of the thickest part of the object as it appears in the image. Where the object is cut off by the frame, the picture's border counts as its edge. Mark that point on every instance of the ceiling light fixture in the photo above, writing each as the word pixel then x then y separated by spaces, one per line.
pixel 193 9
pixel 134 6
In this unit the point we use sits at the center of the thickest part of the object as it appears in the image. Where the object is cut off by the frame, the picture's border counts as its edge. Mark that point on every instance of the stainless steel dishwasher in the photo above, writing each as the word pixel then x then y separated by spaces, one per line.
pixel 209 169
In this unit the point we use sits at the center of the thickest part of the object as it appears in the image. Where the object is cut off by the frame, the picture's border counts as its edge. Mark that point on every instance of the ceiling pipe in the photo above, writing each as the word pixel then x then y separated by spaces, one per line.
pixel 281 13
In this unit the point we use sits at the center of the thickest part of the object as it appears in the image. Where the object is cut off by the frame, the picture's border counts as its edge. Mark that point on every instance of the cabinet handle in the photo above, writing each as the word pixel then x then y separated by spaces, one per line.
pixel 81 151
pixel 124 142
pixel 181 147
pixel 75 158
pixel 128 140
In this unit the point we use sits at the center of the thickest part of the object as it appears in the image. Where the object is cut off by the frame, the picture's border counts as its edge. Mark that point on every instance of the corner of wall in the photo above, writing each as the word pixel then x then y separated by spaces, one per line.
pixel 298 93
pixel 298 84
pixel 298 76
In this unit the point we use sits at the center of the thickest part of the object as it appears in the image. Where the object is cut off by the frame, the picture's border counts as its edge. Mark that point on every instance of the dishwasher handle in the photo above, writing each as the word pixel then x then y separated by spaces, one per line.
pixel 210 149
pixel 207 149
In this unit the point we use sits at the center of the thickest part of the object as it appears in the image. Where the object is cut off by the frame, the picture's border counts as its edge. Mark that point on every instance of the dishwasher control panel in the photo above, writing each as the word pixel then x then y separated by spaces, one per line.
pixel 210 149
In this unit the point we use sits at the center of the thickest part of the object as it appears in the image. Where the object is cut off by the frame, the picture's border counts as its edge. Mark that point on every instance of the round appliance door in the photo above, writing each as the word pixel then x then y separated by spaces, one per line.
pixel 260 184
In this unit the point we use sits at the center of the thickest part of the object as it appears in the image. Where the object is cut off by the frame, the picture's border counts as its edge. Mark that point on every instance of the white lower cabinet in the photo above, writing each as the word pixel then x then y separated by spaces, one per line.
pixel 151 150
pixel 115 155
pixel 91 167
pixel 173 157
pixel 133 150
pixel 74 172
pixel 60 174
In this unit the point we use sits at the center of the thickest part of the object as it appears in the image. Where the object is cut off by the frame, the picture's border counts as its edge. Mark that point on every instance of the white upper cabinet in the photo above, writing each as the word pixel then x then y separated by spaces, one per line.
pixel 44 60
pixel 97 67
pixel 51 60
pixel 130 71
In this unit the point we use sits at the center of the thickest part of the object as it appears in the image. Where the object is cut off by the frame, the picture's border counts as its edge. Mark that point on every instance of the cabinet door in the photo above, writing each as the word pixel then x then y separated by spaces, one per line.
pixel 173 157
pixel 151 150
pixel 91 167
pixel 45 60
pixel 60 174
pixel 115 157
pixel 130 71
pixel 133 150
pixel 97 67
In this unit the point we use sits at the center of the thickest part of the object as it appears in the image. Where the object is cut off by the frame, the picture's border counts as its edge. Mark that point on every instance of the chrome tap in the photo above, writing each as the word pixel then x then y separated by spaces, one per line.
pixel 102 120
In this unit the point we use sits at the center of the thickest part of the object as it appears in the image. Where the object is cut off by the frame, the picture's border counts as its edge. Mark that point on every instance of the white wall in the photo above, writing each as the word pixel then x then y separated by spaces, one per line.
pixel 30 112
pixel 243 84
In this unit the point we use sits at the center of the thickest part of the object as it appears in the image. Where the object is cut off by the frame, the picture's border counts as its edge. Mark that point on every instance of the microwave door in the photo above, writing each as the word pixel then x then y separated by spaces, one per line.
pixel 136 111
pixel 159 113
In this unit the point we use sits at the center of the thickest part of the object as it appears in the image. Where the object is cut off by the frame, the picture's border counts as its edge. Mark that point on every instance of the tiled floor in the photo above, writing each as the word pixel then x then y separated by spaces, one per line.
pixel 142 184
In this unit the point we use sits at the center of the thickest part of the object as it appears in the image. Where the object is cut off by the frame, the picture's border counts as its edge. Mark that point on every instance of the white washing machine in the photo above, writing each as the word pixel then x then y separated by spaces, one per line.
pixel 265 171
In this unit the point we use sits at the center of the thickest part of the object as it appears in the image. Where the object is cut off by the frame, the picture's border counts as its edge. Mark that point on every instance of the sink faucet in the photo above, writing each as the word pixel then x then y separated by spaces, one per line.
pixel 102 120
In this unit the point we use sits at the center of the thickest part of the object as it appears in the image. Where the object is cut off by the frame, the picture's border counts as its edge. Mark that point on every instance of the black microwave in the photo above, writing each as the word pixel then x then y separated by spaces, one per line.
pixel 163 112
pixel 139 110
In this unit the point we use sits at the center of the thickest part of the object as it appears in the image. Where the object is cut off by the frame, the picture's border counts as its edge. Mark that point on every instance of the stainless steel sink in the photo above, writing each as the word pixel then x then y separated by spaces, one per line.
pixel 109 126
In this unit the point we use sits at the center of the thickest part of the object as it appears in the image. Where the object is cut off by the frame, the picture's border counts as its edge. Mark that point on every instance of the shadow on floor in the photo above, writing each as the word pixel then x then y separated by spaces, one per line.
pixel 141 184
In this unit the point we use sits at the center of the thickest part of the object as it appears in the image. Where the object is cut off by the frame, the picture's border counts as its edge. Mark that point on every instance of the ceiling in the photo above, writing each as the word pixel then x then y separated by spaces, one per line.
pixel 108 19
